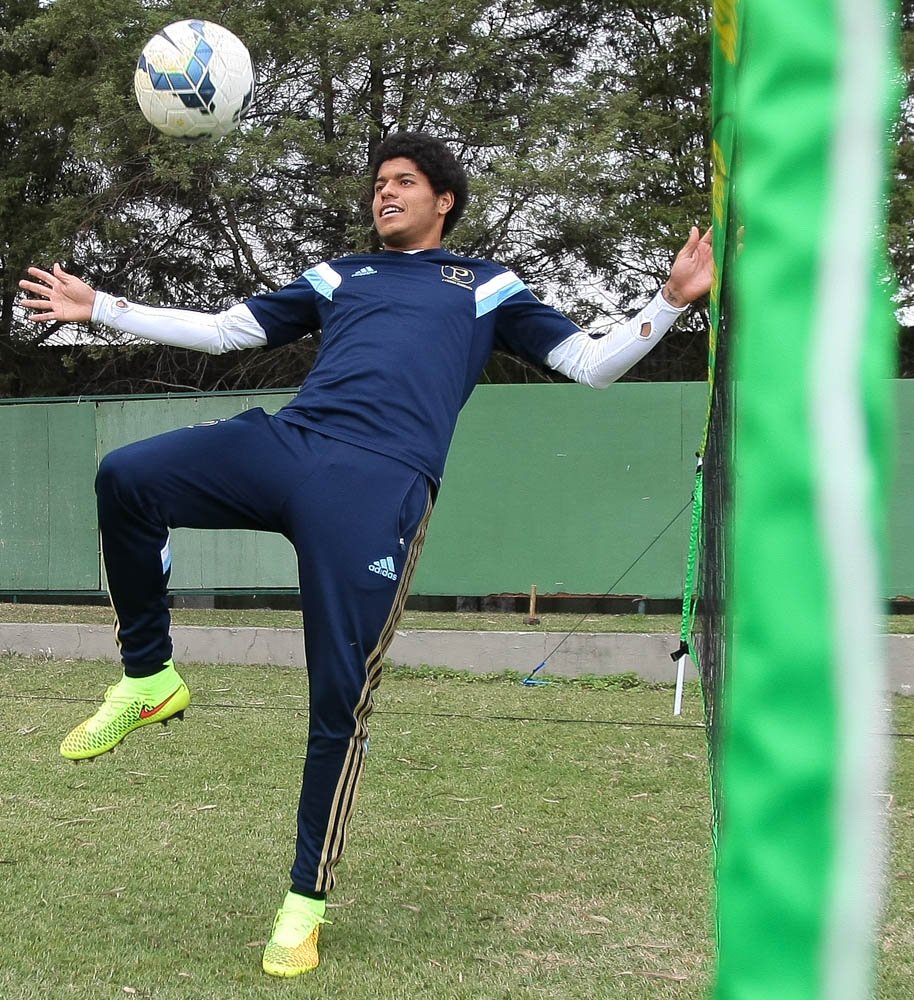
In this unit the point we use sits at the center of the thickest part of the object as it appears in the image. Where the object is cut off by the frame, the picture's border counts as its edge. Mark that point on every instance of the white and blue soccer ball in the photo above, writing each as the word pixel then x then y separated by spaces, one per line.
pixel 194 80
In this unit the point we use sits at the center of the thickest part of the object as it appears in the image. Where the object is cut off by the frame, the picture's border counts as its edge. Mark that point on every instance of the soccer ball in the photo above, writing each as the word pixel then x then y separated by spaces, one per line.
pixel 194 80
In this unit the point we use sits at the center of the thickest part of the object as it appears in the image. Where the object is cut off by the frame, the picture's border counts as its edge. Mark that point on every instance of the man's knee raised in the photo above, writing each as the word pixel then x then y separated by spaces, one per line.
pixel 118 472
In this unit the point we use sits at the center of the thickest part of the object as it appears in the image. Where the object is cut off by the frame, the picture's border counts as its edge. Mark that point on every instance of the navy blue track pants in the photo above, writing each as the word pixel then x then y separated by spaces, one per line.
pixel 357 520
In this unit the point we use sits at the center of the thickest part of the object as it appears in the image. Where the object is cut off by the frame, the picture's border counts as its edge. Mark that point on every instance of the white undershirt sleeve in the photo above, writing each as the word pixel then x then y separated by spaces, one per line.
pixel 604 354
pixel 213 333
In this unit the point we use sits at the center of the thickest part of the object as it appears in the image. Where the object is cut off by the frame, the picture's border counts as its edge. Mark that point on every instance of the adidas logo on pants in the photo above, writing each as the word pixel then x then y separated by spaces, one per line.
pixel 384 567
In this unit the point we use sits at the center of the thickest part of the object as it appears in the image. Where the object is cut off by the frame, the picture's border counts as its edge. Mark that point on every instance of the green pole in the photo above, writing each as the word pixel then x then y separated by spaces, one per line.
pixel 801 841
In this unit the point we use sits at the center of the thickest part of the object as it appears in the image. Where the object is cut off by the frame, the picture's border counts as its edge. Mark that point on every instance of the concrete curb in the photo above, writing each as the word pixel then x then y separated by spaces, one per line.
pixel 646 655
pixel 479 652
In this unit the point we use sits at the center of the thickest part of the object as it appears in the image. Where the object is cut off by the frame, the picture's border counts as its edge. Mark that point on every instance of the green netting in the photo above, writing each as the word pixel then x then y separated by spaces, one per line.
pixel 703 630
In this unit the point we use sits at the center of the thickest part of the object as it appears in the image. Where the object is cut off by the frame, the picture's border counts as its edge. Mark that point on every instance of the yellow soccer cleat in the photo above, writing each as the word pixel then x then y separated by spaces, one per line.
pixel 292 948
pixel 129 704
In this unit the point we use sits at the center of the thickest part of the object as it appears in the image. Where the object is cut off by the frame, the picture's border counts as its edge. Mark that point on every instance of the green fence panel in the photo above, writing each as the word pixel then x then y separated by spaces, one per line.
pixel 553 485
pixel 48 533
pixel 901 509
pixel 204 560
pixel 564 487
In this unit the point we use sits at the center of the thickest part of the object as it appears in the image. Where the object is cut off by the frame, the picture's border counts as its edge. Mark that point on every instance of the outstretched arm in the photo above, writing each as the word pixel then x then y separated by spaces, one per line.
pixel 67 299
pixel 64 298
pixel 601 356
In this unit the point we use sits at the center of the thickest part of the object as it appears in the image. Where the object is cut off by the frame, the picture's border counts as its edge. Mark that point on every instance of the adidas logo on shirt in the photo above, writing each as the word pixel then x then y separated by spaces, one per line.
pixel 384 567
pixel 362 271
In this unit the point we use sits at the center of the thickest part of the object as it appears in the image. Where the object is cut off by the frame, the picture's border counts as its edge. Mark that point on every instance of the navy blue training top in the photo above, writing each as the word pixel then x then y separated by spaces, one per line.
pixel 405 337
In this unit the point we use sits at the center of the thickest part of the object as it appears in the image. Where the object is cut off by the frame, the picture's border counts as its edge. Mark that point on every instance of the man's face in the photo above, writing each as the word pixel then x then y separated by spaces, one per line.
pixel 408 215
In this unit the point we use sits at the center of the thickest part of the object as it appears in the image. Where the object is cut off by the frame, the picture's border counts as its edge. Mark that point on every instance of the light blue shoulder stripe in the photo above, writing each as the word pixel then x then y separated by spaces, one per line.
pixel 490 295
pixel 324 280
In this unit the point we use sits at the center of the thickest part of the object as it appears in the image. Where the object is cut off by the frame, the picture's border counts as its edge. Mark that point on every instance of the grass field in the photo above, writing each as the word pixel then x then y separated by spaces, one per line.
pixel 262 618
pixel 509 843
pixel 477 621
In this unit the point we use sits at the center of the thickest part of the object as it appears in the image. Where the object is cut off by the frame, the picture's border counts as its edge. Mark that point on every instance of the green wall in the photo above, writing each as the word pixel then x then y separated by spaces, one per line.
pixel 202 560
pixel 48 536
pixel 564 487
pixel 900 581
pixel 553 485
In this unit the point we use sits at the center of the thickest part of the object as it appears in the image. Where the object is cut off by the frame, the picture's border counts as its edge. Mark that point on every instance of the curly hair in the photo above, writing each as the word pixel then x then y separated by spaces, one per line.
pixel 435 160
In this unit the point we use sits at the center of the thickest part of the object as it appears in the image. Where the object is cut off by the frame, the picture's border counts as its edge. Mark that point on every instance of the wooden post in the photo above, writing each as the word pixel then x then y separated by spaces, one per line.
pixel 531 618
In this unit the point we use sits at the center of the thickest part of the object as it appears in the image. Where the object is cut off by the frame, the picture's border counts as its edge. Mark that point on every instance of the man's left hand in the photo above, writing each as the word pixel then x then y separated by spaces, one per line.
pixel 690 276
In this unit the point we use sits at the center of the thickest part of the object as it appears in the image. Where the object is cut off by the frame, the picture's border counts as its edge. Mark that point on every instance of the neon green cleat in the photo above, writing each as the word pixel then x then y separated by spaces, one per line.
pixel 129 704
pixel 292 948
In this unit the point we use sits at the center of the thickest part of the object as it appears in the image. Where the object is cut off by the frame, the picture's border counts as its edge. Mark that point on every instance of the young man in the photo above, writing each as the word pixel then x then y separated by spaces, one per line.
pixel 347 471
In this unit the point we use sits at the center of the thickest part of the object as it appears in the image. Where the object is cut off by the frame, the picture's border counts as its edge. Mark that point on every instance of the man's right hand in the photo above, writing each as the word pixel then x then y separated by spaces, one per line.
pixel 64 298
